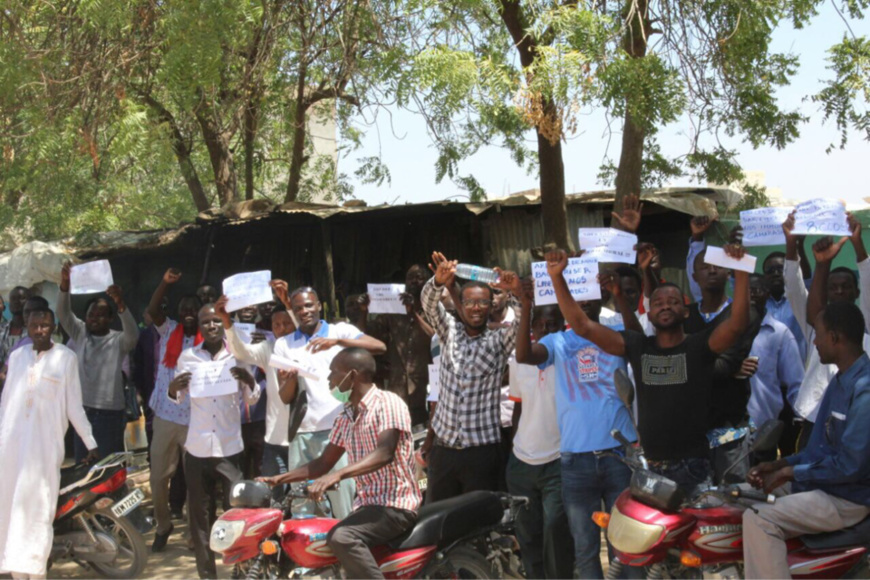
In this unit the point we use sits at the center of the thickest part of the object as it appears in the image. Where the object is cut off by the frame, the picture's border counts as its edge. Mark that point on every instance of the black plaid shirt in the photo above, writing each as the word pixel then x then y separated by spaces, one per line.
pixel 472 369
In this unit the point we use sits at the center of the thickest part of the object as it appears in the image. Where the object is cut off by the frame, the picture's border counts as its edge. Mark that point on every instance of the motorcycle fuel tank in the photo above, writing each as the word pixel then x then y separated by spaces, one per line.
pixel 718 535
pixel 304 540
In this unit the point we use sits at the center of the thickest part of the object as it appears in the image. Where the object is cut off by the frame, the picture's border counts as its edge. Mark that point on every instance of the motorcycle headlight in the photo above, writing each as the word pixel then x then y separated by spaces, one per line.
pixel 630 536
pixel 224 534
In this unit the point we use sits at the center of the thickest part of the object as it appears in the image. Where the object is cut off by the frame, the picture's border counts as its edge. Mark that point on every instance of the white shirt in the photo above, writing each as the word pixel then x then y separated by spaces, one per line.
pixel 817 376
pixel 277 413
pixel 215 423
pixel 323 408
pixel 537 439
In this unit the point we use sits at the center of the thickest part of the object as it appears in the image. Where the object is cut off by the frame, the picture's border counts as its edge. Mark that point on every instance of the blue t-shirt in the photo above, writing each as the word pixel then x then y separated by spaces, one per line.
pixel 586 400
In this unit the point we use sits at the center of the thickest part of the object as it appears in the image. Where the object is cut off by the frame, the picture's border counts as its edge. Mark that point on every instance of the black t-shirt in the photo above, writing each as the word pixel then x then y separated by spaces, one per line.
pixel 674 393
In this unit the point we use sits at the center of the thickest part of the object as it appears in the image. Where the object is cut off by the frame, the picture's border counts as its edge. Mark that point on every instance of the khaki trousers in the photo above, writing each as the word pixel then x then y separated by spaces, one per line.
pixel 167 446
pixel 811 512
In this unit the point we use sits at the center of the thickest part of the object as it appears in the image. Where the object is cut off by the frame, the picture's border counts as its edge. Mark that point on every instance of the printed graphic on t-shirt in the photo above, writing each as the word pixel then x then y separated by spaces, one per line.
pixel 587 361
pixel 664 370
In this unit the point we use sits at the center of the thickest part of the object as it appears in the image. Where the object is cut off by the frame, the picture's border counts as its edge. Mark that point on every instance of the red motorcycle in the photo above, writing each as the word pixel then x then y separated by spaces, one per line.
pixel 466 536
pixel 653 525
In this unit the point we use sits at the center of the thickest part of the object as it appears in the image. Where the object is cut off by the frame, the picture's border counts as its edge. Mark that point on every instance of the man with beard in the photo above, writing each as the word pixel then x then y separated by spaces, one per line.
pixel 315 343
pixel 408 338
pixel 465 455
pixel 671 369
pixel 213 447
pixel 170 419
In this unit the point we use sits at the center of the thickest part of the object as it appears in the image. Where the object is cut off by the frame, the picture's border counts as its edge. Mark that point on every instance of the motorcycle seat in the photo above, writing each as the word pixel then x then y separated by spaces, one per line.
pixel 857 535
pixel 70 475
pixel 443 522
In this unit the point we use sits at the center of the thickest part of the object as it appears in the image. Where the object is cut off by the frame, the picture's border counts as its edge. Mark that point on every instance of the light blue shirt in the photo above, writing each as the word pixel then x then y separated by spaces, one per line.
pixel 587 405
pixel 781 311
pixel 160 402
pixel 779 363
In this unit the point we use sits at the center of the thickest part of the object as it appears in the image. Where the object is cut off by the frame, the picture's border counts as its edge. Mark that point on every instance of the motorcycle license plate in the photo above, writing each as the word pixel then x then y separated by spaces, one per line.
pixel 128 504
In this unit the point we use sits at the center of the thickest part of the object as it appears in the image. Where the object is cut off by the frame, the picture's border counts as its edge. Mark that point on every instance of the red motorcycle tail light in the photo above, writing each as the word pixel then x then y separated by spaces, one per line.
pixel 111 484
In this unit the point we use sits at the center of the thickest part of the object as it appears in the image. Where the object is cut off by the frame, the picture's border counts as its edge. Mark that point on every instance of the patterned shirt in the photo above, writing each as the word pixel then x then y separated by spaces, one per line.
pixel 471 373
pixel 160 403
pixel 394 484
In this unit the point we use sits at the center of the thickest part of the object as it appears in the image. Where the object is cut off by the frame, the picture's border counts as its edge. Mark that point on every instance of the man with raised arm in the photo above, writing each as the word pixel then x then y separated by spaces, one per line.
pixel 100 351
pixel 828 286
pixel 466 426
pixel 671 369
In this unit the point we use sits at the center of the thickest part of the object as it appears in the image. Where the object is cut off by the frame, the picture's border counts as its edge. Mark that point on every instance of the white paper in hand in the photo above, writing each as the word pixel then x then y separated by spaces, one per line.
pixel 821 217
pixel 304 368
pixel 718 257
pixel 385 298
pixel 247 289
pixel 212 378
pixel 245 330
pixel 763 226
pixel 581 275
pixel 90 277
pixel 608 244
pixel 434 377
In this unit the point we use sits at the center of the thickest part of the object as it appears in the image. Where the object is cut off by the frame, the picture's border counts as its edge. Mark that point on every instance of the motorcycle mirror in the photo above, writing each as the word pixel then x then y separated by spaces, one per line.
pixel 624 388
pixel 767 436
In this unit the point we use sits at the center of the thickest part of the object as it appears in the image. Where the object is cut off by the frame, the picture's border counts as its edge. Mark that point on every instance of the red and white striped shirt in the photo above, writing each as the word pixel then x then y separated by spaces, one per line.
pixel 393 485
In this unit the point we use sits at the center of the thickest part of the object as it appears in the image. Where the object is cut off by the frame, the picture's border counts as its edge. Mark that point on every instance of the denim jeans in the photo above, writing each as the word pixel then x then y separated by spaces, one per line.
pixel 587 480
pixel 107 428
pixel 275 463
pixel 542 527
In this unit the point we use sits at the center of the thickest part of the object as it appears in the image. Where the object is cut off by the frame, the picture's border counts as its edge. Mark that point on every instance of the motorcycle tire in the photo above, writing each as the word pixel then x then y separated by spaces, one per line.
pixel 469 563
pixel 130 540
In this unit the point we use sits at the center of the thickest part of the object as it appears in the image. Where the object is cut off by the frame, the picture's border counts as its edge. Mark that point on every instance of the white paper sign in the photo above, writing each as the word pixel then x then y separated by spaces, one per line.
pixel 212 378
pixel 90 277
pixel 718 257
pixel 821 217
pixel 305 368
pixel 384 299
pixel 608 244
pixel 434 377
pixel 763 226
pixel 581 275
pixel 247 289
pixel 244 330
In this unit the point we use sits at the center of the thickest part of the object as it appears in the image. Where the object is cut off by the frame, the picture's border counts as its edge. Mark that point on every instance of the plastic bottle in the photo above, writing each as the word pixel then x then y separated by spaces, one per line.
pixel 476 273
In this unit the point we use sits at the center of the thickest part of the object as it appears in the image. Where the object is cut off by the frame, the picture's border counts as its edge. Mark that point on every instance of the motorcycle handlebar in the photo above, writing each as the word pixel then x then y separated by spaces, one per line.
pixel 753 494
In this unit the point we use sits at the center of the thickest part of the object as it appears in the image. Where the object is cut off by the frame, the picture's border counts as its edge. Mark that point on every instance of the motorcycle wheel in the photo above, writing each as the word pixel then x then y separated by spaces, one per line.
pixel 132 550
pixel 469 563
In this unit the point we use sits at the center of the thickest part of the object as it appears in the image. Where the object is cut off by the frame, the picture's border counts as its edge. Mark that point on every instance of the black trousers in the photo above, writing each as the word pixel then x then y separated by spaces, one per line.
pixel 254 438
pixel 453 472
pixel 202 473
pixel 353 537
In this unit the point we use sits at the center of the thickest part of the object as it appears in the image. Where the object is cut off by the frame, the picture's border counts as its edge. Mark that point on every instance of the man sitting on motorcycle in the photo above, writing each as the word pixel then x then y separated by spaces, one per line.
pixel 374 428
pixel 831 476
pixel 672 370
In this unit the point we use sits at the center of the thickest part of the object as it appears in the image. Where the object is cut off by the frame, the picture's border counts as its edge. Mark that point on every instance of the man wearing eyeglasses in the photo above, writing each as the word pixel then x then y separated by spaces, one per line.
pixel 830 478
pixel 465 454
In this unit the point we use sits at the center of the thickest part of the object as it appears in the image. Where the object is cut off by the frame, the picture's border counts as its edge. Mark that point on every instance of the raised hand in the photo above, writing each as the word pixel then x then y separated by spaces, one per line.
pixel 788 226
pixel 64 276
pixel 699 226
pixel 282 291
pixel 528 290
pixel 508 281
pixel 445 270
pixel 736 251
pixel 116 294
pixel 735 236
pixel 172 276
pixel 629 219
pixel 646 253
pixel 854 228
pixel 609 281
pixel 557 261
pixel 825 249
pixel 220 308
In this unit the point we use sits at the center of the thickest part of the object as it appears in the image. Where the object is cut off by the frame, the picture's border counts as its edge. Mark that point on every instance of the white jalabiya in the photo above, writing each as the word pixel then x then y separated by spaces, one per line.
pixel 41 397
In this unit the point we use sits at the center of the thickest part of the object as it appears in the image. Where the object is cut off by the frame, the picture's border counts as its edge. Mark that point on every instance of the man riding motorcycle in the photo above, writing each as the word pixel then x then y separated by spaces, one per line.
pixel 831 476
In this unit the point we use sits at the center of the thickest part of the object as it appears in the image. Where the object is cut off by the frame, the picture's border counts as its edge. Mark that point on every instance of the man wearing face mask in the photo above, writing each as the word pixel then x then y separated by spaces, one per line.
pixel 465 454
pixel 374 429
pixel 100 352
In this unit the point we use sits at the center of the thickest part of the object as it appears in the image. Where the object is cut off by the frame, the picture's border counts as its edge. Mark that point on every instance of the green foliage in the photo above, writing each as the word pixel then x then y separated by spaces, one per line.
pixel 846 98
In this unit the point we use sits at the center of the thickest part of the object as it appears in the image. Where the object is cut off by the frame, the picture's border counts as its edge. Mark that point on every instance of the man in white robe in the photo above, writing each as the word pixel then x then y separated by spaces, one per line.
pixel 42 395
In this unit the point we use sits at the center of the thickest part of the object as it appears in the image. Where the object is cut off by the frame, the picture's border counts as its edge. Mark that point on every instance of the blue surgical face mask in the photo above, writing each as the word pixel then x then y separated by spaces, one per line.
pixel 341 396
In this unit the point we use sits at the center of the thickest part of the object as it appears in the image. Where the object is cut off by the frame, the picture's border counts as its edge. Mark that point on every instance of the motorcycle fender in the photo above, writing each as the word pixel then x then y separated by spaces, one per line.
pixel 137 515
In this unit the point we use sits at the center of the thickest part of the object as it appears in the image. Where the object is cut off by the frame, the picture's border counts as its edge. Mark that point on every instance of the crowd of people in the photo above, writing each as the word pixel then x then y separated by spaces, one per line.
pixel 525 400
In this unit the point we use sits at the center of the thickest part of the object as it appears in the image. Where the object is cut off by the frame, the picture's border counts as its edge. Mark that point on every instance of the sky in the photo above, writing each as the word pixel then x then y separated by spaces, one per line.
pixel 803 170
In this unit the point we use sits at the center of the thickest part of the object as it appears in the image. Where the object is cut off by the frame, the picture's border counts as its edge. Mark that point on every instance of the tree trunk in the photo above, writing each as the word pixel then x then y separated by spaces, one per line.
pixel 251 113
pixel 218 144
pixel 182 150
pixel 297 153
pixel 630 170
pixel 554 211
